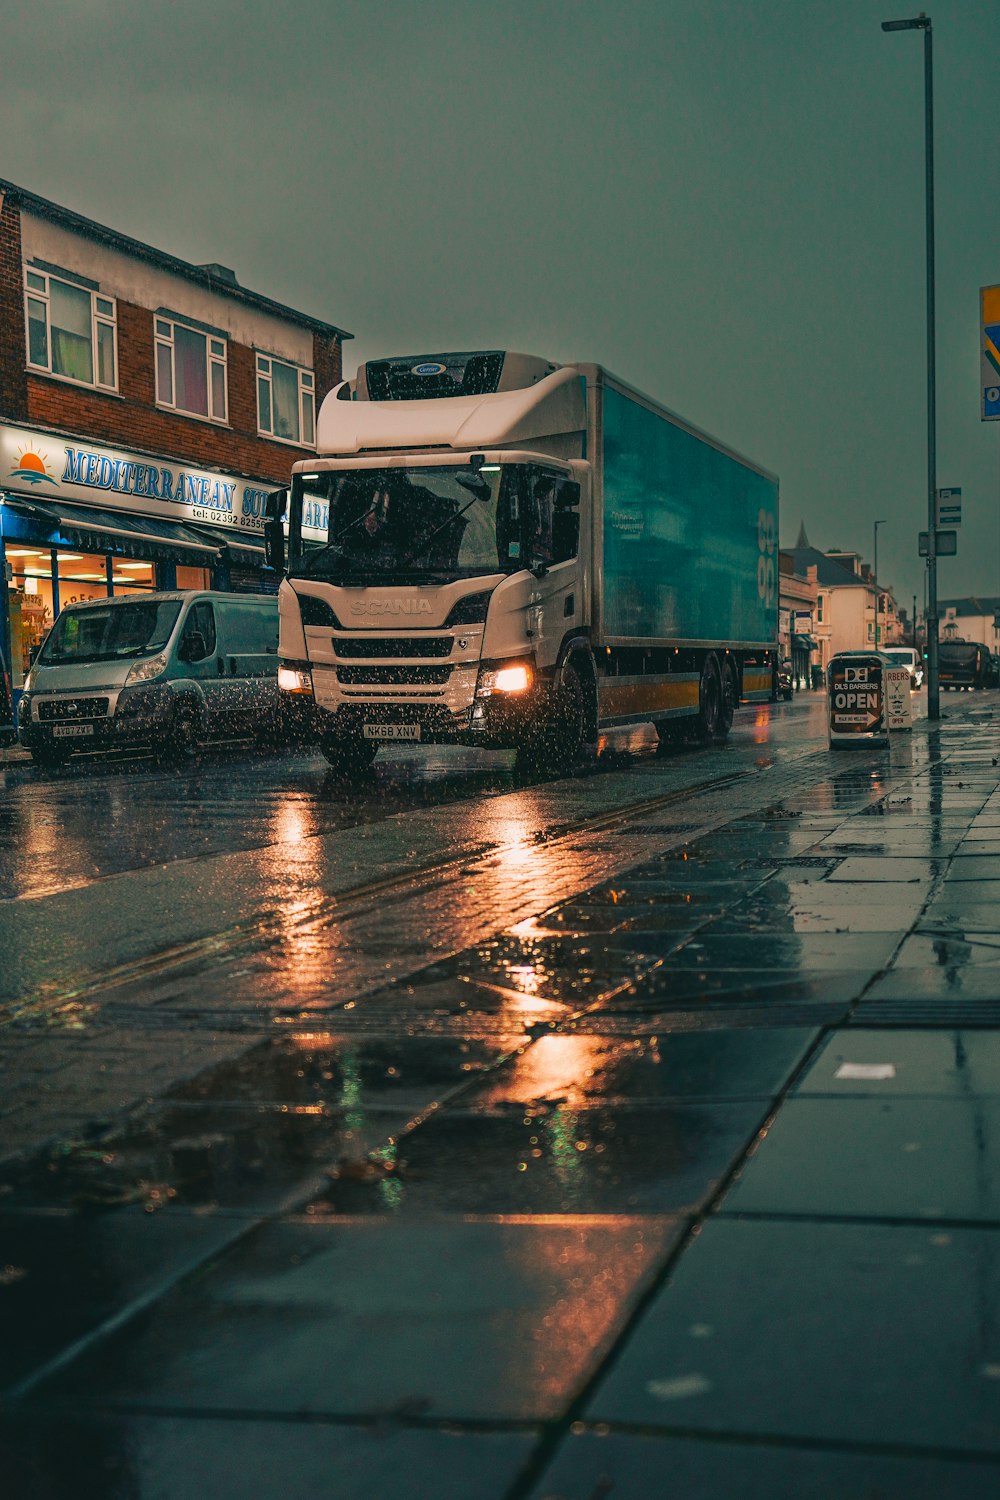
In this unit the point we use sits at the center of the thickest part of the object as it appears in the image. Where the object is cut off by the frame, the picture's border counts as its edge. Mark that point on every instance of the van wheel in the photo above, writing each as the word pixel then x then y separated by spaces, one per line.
pixel 349 755
pixel 709 720
pixel 182 740
pixel 49 759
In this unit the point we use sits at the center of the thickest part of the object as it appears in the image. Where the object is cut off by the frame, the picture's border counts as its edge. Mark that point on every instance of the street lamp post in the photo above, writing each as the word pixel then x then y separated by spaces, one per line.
pixel 923 23
pixel 875 528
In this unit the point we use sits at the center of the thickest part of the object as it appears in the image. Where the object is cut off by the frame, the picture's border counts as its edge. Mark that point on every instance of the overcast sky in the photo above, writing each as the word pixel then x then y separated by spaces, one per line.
pixel 720 200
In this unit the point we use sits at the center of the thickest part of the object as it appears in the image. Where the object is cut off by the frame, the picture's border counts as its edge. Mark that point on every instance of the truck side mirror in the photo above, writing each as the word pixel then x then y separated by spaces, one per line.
pixel 568 494
pixel 274 504
pixel 274 545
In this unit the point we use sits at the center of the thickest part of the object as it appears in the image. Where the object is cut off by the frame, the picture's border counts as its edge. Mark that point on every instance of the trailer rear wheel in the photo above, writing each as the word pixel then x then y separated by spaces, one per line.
pixel 730 698
pixel 708 725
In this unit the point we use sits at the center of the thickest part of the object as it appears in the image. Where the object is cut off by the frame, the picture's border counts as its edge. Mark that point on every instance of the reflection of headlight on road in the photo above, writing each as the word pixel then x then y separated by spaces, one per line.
pixel 295 677
pixel 514 678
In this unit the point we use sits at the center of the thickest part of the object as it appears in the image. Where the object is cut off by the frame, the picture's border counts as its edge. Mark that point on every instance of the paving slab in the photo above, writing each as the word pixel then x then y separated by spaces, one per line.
pixel 628 1158
pixel 900 1158
pixel 881 1064
pixel 652 1468
pixel 833 1333
pixel 63 1275
pixel 579 1070
pixel 366 1318
pixel 54 1456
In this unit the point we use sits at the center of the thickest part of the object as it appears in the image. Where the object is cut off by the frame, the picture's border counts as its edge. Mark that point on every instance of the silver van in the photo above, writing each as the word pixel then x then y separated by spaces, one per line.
pixel 168 670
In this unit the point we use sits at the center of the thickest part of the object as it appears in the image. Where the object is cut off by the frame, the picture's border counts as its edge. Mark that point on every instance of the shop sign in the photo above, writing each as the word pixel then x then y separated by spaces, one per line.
pixel 855 697
pixel 86 474
pixel 898 706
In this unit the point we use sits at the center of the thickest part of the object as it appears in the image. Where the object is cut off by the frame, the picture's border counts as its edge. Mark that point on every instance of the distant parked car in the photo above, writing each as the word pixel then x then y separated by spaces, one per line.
pixel 964 664
pixel 908 657
pixel 166 670
pixel 784 679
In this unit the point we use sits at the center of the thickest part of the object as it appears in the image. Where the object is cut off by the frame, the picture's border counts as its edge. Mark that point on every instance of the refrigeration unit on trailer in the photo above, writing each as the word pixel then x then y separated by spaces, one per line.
pixel 492 549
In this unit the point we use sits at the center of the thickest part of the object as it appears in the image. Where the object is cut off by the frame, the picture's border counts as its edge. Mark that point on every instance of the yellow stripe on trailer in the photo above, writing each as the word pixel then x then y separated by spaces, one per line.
pixel 635 698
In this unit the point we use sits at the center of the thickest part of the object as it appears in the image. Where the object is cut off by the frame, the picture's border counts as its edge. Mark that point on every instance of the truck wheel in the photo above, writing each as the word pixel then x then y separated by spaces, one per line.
pixel 554 743
pixel 708 722
pixel 730 698
pixel 349 755
pixel 670 733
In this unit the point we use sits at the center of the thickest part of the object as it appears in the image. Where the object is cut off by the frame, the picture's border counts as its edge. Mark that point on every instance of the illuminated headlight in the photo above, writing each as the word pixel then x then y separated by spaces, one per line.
pixel 145 671
pixel 295 677
pixel 516 677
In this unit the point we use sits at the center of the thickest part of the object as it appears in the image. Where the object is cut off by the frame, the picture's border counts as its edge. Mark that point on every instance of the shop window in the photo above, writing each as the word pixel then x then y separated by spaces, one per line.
pixel 132 577
pixel 193 578
pixel 190 370
pixel 286 402
pixel 72 331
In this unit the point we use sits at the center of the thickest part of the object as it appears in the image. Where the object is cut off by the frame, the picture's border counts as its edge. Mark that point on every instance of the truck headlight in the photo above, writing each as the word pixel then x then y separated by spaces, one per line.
pixel 145 671
pixel 507 678
pixel 295 677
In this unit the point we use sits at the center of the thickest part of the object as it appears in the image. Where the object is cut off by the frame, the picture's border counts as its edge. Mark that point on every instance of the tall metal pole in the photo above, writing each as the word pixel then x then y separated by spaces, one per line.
pixel 933 681
pixel 923 23
pixel 875 527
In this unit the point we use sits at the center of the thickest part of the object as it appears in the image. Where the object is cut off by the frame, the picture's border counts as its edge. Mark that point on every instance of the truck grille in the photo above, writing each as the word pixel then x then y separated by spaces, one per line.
pixel 393 676
pixel 73 708
pixel 369 648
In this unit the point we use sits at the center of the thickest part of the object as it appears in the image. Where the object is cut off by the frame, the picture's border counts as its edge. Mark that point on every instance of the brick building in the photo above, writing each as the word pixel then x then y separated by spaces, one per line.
pixel 147 406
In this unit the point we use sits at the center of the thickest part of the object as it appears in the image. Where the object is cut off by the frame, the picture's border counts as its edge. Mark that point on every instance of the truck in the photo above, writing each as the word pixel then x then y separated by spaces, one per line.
pixel 493 549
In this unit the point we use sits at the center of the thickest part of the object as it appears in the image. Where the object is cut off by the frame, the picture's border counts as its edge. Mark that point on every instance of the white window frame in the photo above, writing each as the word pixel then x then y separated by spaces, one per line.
pixel 103 313
pixel 216 357
pixel 307 401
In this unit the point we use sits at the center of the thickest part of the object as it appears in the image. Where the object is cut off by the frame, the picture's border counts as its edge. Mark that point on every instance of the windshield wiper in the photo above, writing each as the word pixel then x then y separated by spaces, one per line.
pixel 421 547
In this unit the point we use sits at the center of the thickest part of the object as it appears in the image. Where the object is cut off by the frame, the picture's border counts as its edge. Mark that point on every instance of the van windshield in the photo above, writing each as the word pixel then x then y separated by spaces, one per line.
pixel 109 632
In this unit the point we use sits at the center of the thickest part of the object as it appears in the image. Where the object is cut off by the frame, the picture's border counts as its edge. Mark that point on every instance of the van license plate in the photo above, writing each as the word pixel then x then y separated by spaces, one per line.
pixel 66 731
pixel 391 731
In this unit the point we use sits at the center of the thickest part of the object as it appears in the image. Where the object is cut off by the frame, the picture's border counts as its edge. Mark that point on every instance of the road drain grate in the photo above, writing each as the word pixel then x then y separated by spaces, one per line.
pixel 793 862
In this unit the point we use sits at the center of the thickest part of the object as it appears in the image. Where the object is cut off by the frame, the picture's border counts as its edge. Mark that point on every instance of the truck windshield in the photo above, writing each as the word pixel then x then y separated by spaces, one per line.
pixel 442 522
pixel 111 631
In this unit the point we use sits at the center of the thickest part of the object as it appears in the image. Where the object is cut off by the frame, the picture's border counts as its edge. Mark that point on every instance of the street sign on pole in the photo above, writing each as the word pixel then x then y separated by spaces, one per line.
pixel 945 543
pixel 989 301
pixel 949 507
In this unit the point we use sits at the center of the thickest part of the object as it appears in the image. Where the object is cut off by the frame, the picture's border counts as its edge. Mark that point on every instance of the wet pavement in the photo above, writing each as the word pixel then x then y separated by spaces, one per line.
pixel 632 1133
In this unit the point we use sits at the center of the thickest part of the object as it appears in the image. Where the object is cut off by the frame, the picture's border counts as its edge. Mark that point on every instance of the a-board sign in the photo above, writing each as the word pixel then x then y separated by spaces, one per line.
pixel 898 704
pixel 856 695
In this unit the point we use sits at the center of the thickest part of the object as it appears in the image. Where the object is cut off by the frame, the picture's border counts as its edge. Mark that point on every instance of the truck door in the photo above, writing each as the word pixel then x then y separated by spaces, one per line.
pixel 553 537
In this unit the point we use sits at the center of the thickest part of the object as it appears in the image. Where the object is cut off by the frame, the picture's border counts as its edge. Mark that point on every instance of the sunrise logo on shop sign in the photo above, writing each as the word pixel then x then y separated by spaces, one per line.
pixel 33 468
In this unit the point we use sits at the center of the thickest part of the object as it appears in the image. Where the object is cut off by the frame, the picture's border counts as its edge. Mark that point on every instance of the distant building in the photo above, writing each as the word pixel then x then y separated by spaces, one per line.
pixel 147 406
pixel 846 601
pixel 971 619
pixel 797 618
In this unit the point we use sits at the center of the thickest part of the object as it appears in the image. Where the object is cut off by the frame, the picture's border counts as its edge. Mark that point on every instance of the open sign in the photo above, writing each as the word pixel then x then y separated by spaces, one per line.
pixel 857 697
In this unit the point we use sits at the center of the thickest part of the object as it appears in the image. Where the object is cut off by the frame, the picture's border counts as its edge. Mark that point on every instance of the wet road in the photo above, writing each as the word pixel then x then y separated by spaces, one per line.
pixel 457 1137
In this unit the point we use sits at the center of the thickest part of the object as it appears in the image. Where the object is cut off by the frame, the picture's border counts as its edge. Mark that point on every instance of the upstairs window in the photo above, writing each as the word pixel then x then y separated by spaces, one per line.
pixel 286 402
pixel 190 370
pixel 72 330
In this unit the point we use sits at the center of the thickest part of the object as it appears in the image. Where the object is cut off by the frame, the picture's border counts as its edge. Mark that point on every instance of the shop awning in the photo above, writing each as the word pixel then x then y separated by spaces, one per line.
pixel 804 643
pixel 94 530
pixel 236 547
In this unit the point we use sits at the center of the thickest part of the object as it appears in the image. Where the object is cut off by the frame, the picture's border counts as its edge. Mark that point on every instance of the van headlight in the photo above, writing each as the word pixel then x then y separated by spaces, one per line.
pixel 28 685
pixel 295 677
pixel 145 671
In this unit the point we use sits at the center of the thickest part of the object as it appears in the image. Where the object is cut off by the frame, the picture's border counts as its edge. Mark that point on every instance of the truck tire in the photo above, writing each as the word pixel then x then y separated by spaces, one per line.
pixel 348 755
pixel 709 720
pixel 555 742
pixel 729 701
